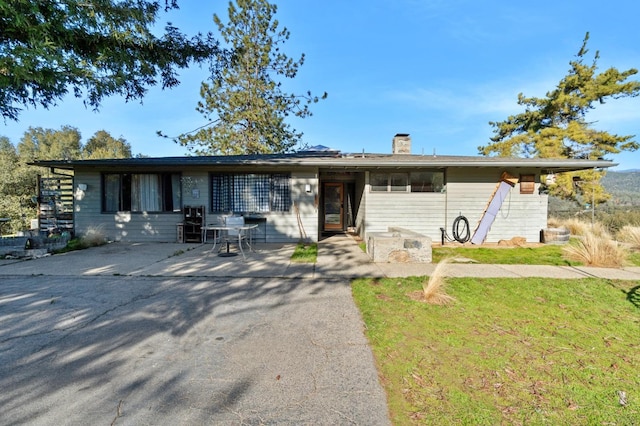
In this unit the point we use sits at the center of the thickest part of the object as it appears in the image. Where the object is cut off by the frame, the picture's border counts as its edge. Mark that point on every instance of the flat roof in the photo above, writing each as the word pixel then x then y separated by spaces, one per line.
pixel 333 159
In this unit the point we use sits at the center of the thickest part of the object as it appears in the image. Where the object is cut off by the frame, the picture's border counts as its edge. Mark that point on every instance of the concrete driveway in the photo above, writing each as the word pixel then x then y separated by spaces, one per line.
pixel 85 340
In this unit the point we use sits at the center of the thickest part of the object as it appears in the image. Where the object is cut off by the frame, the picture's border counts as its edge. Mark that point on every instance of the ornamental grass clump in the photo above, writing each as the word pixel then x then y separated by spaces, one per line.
pixel 95 236
pixel 575 226
pixel 579 227
pixel 554 222
pixel 596 250
pixel 600 230
pixel 630 235
pixel 433 290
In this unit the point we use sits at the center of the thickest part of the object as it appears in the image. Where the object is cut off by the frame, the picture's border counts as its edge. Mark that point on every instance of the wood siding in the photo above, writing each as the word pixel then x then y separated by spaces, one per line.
pixel 419 212
pixel 521 215
pixel 162 227
pixel 467 193
pixel 120 226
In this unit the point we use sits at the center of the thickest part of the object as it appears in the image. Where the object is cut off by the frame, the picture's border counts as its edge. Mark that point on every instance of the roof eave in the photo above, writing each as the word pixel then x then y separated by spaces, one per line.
pixel 550 165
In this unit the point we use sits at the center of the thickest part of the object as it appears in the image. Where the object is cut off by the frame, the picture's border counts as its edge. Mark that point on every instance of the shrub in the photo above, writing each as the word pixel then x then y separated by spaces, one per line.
pixel 616 220
pixel 596 250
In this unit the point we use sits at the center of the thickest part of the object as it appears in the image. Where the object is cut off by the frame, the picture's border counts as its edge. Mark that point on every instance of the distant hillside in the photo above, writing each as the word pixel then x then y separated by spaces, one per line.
pixel 623 186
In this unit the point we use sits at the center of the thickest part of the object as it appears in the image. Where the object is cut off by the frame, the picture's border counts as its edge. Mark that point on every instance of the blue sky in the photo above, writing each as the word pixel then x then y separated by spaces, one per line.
pixel 439 70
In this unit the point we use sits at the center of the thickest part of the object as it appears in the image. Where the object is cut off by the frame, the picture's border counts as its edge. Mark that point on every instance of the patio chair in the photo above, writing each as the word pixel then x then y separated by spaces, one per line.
pixel 235 236
pixel 209 229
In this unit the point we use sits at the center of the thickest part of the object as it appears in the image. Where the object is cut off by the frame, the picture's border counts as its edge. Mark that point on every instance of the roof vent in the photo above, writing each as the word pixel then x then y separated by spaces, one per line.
pixel 401 144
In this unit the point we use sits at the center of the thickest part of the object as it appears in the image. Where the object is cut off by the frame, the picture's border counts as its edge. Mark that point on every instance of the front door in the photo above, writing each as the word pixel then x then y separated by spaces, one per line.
pixel 333 206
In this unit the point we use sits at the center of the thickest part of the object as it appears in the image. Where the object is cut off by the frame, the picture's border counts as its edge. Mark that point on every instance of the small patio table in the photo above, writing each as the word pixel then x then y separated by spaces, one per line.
pixel 220 230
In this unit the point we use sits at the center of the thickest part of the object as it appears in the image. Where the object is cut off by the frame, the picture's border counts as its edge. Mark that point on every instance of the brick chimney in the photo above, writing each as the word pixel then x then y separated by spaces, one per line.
pixel 401 144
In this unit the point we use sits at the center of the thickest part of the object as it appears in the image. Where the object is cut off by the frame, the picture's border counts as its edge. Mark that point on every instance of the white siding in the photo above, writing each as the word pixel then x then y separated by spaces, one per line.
pixel 521 215
pixel 468 192
pixel 284 226
pixel 360 203
pixel 418 212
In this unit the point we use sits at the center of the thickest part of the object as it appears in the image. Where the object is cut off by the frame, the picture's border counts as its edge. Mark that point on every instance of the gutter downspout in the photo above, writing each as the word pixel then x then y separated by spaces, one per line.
pixel 446 199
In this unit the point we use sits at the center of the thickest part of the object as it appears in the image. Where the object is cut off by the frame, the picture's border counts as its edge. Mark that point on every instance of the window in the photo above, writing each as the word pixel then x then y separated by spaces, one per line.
pixel 250 192
pixel 141 192
pixel 431 181
pixel 379 182
pixel 398 182
pixel 422 181
pixel 389 182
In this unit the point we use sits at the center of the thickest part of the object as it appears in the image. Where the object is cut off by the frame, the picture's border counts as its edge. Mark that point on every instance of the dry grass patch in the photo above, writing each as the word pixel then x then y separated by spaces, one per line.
pixel 579 227
pixel 433 289
pixel 631 235
pixel 600 230
pixel 596 250
pixel 554 222
pixel 95 236
pixel 575 226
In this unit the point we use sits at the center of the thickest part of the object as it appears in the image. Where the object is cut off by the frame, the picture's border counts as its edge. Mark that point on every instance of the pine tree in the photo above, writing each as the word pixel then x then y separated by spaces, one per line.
pixel 244 101
pixel 93 49
pixel 556 126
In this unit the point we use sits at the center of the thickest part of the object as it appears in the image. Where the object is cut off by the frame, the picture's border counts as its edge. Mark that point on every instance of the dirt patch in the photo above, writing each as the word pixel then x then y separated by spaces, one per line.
pixel 513 242
pixel 486 245
pixel 417 296
pixel 384 297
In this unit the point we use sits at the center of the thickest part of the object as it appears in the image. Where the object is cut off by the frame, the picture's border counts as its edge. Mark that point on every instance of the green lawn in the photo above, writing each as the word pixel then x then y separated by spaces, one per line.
pixel 543 255
pixel 305 253
pixel 507 351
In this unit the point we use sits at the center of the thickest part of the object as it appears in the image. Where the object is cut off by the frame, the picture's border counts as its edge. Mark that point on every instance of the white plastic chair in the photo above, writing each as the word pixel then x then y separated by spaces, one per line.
pixel 210 228
pixel 235 235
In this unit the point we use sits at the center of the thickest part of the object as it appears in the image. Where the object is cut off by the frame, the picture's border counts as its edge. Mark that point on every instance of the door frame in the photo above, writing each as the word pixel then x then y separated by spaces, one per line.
pixel 330 227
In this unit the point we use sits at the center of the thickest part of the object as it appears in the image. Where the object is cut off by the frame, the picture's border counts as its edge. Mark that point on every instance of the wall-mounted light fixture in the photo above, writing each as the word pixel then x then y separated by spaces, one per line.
pixel 82 186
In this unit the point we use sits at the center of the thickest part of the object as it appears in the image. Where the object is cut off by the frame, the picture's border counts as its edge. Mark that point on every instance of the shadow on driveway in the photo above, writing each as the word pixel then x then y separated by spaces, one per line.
pixel 183 350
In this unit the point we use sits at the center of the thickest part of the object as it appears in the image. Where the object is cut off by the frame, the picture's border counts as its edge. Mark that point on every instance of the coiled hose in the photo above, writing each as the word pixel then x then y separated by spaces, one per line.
pixel 460 230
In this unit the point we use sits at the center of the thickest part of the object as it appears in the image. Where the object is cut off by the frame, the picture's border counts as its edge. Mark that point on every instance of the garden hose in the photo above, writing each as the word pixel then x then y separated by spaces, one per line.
pixel 460 231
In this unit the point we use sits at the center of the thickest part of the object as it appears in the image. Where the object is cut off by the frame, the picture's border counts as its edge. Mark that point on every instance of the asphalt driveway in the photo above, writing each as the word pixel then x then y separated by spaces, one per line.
pixel 134 349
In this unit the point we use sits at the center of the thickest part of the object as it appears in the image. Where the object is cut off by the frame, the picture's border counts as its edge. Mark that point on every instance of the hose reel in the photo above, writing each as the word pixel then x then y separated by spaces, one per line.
pixel 460 231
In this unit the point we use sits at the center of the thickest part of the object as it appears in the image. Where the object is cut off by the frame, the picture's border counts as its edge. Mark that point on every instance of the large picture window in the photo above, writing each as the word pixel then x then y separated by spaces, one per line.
pixel 418 181
pixel 141 192
pixel 250 192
